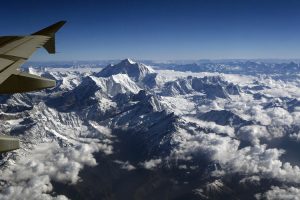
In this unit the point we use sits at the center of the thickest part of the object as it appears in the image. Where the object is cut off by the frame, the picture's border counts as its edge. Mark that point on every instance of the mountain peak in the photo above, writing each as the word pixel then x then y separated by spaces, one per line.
pixel 135 70
pixel 127 61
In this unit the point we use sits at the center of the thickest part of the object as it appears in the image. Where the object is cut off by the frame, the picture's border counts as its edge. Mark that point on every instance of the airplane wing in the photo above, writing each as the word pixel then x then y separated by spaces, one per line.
pixel 14 51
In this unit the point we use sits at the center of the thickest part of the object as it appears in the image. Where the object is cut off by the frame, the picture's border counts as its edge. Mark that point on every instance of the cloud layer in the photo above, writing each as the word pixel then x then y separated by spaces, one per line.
pixel 30 177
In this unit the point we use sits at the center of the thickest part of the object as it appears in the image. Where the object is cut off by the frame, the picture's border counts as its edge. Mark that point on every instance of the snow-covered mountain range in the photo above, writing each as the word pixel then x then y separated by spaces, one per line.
pixel 204 135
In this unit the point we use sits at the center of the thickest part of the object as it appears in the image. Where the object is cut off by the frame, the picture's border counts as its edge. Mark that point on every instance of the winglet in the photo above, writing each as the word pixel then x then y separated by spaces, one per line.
pixel 50 31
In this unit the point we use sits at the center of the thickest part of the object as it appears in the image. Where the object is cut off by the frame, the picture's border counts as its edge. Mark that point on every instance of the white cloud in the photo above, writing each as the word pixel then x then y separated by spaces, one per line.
pixel 105 147
pixel 290 193
pixel 253 133
pixel 260 160
pixel 251 180
pixel 36 188
pixel 125 165
pixel 295 136
pixel 250 160
pixel 30 176
pixel 211 125
pixel 258 114
pixel 280 116
pixel 151 164
pixel 296 116
pixel 213 145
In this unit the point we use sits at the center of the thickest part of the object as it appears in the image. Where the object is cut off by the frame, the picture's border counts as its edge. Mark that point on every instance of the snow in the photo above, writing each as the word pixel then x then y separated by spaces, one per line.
pixel 116 84
pixel 180 105
pixel 57 134
pixel 130 61
pixel 73 136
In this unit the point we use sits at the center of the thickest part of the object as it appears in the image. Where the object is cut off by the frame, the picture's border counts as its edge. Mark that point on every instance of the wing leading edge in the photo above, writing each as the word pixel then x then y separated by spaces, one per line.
pixel 14 51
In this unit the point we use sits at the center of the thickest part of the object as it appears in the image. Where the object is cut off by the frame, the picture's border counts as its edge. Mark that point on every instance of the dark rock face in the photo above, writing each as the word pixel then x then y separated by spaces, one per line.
pixel 75 99
pixel 225 118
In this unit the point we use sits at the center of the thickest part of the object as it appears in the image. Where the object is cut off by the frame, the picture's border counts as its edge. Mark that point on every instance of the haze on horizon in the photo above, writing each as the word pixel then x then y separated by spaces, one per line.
pixel 161 30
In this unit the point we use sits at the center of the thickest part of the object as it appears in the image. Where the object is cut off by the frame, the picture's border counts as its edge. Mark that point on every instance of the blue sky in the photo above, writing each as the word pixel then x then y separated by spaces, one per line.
pixel 161 29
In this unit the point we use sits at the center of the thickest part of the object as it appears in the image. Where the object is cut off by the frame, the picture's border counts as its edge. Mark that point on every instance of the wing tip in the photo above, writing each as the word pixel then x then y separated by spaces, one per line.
pixel 51 30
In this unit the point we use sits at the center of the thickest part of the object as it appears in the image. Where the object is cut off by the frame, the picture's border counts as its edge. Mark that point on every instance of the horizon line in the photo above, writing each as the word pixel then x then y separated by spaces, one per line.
pixel 164 60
